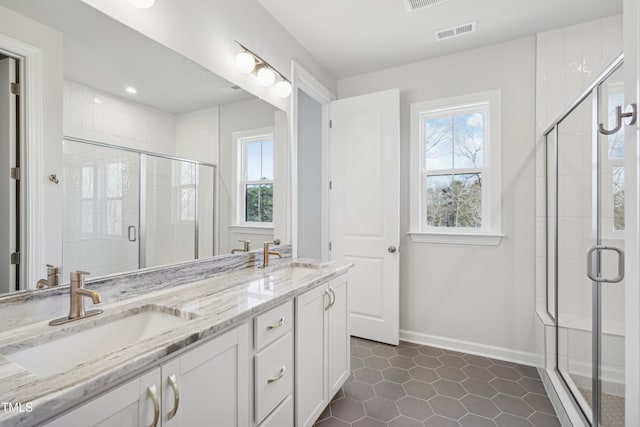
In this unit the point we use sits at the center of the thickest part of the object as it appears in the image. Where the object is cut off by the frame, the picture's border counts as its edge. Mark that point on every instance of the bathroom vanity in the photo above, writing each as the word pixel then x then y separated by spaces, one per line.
pixel 250 347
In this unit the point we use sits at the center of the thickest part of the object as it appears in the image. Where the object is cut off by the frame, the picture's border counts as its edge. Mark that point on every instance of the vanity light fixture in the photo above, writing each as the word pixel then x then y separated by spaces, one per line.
pixel 142 4
pixel 249 62
pixel 132 90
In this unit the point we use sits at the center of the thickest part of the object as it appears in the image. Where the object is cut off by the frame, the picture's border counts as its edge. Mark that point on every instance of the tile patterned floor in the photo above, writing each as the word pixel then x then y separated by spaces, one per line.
pixel 612 408
pixel 418 386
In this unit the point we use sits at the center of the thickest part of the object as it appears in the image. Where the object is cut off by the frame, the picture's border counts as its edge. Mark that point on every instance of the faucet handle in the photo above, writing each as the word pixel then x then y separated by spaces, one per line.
pixel 78 276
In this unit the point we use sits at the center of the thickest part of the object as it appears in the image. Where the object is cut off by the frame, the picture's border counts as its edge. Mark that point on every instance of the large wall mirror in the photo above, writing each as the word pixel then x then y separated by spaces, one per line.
pixel 160 161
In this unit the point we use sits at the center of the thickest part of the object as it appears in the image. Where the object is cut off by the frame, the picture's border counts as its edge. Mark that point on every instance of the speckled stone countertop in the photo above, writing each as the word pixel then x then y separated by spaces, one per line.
pixel 213 305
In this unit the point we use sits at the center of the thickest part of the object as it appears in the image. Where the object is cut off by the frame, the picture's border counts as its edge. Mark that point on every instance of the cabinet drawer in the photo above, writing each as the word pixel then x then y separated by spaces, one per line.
pixel 282 416
pixel 273 376
pixel 273 324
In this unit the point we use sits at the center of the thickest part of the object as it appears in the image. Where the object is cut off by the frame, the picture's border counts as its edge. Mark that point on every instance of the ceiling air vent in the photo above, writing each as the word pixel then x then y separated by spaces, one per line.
pixel 459 30
pixel 412 5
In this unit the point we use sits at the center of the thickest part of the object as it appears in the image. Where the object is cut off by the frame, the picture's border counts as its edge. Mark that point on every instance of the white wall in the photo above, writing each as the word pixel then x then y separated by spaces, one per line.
pixel 49 41
pixel 237 117
pixel 474 298
pixel 309 177
pixel 205 30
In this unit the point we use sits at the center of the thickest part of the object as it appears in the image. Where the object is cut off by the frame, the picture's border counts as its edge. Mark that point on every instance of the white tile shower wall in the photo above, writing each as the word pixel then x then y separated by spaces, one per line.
pixel 97 116
pixel 568 60
pixel 197 135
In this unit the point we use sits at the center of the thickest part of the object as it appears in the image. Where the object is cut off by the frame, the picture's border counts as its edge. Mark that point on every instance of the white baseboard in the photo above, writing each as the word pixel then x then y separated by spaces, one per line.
pixel 531 359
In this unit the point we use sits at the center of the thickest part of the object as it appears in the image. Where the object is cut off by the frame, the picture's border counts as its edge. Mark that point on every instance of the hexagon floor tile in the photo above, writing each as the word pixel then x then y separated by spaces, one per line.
pixel 413 385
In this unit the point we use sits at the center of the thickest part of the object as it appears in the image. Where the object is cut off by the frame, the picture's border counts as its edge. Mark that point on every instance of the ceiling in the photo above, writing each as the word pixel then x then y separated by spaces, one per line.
pixel 104 54
pixel 350 37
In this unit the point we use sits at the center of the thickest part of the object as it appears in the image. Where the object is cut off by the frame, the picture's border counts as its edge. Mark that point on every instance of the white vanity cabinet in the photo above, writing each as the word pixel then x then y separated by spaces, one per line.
pixel 208 385
pixel 322 348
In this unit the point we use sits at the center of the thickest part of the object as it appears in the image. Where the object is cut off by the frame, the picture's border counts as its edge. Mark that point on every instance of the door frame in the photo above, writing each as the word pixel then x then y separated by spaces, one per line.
pixel 31 148
pixel 301 79
pixel 631 36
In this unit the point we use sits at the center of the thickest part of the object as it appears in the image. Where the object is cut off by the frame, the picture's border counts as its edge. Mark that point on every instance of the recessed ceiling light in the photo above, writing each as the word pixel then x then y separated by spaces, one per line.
pixel 97 101
pixel 142 4
pixel 132 90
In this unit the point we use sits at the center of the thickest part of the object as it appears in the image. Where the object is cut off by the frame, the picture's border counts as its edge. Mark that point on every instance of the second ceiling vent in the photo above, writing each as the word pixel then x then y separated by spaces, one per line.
pixel 456 31
pixel 412 5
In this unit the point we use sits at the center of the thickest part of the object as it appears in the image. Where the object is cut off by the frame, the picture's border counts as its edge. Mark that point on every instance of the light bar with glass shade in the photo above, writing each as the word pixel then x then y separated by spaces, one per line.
pixel 248 62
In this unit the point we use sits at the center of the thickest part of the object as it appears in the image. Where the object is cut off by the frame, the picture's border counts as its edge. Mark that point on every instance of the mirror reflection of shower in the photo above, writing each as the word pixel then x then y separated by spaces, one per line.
pixel 127 209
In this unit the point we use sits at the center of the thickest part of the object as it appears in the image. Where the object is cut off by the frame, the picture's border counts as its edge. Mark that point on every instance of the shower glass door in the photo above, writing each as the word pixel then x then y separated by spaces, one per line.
pixel 101 209
pixel 586 236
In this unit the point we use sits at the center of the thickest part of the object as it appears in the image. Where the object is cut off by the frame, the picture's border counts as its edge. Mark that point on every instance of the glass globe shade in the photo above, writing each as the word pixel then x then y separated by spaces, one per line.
pixel 266 76
pixel 142 4
pixel 283 89
pixel 245 62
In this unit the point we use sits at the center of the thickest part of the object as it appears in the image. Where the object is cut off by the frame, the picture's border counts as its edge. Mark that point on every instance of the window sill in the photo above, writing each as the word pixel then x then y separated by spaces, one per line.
pixel 252 229
pixel 479 239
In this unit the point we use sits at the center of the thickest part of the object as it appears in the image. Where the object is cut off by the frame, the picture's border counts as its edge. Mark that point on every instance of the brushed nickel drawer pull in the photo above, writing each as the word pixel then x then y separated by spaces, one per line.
pixel 173 383
pixel 277 377
pixel 276 325
pixel 152 392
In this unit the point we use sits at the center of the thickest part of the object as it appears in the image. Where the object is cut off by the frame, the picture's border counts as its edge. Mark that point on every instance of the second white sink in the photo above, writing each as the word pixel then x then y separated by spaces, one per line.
pixel 95 342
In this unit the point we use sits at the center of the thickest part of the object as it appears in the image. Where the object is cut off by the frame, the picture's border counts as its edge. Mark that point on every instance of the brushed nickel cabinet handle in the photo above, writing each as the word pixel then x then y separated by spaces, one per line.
pixel 333 299
pixel 152 392
pixel 327 293
pixel 173 383
pixel 276 325
pixel 277 377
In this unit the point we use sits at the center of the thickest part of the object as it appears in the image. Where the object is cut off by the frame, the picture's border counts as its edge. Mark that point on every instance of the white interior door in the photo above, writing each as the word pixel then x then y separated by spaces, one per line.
pixel 7 185
pixel 364 208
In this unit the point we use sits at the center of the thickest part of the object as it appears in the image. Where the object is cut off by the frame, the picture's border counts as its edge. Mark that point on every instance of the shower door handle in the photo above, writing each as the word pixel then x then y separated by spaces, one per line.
pixel 594 276
pixel 134 234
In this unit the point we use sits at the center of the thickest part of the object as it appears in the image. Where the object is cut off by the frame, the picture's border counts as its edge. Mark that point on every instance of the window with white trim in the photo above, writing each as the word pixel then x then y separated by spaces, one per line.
pixel 255 179
pixel 455 170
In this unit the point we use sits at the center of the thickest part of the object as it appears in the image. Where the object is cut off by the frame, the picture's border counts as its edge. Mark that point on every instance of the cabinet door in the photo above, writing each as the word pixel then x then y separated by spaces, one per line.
pixel 311 362
pixel 338 347
pixel 212 382
pixel 128 405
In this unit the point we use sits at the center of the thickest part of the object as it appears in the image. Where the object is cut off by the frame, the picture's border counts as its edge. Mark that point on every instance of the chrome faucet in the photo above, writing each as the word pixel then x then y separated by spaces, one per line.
pixel 267 252
pixel 53 277
pixel 245 247
pixel 77 295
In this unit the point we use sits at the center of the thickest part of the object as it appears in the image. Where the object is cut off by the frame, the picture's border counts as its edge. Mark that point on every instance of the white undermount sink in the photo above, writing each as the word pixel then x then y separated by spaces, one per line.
pixel 293 272
pixel 94 342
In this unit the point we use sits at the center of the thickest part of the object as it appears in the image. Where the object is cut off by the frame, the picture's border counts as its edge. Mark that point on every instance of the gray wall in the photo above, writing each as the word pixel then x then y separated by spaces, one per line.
pixel 481 298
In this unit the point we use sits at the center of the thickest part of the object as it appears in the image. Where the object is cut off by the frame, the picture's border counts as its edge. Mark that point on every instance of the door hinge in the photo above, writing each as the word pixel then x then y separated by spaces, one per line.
pixel 15 258
pixel 15 88
pixel 330 124
pixel 330 246
pixel 15 173
pixel 330 185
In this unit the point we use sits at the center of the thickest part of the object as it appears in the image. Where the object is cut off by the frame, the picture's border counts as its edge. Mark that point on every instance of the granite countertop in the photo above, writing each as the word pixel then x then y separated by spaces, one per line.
pixel 211 305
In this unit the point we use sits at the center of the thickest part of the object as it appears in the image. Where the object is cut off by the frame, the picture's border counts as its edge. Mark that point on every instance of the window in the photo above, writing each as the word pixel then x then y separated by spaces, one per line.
pixel 254 199
pixel 114 197
pixel 613 166
pixel 455 170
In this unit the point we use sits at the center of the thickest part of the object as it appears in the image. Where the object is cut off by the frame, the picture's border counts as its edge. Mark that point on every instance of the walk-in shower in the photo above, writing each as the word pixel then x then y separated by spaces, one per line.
pixel 585 241
pixel 126 209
